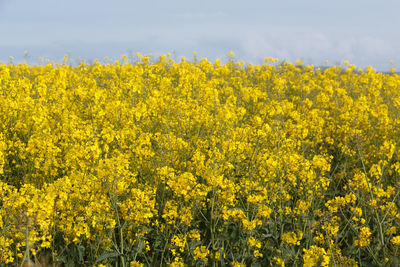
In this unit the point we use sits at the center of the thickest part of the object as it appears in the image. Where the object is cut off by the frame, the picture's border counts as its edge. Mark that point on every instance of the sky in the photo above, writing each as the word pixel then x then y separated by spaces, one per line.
pixel 364 32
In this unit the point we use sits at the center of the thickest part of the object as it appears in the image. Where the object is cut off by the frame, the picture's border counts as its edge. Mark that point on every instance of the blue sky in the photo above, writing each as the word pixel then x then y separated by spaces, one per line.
pixel 363 32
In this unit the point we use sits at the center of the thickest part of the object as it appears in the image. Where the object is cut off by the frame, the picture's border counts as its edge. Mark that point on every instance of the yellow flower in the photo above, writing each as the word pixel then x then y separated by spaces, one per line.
pixel 177 264
pixel 391 231
pixel 250 225
pixel 136 264
pixel 277 262
pixel 194 234
pixel 319 238
pixel 257 254
pixel 254 242
pixel 179 241
pixel 200 252
pixel 315 256
pixel 179 148
pixel 395 240
pixel 237 264
pixel 292 237
pixel 364 237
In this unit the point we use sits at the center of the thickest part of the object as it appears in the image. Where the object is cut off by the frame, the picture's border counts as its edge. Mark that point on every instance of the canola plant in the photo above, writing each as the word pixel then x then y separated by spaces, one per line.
pixel 197 163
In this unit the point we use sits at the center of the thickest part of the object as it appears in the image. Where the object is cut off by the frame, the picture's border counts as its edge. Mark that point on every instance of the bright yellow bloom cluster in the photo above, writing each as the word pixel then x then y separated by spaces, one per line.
pixel 200 253
pixel 315 256
pixel 166 163
pixel 292 238
pixel 395 240
pixel 254 242
pixel 364 237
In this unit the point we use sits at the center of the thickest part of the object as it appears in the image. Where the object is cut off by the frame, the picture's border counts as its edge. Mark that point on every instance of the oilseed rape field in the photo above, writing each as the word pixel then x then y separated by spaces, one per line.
pixel 198 163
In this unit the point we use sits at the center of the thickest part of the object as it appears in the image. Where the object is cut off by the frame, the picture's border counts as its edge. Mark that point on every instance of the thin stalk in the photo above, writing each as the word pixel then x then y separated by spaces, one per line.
pixel 372 197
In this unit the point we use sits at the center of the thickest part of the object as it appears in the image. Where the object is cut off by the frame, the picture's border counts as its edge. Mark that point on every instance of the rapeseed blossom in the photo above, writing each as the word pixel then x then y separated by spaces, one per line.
pixel 184 163
pixel 315 256
pixel 364 237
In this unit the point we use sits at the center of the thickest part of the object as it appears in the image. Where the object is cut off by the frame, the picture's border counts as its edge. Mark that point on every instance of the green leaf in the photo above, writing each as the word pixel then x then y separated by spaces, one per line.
pixel 106 255
pixel 81 253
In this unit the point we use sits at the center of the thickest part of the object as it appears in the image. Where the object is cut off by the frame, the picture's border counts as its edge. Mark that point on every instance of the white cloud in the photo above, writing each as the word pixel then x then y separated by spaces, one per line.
pixel 314 47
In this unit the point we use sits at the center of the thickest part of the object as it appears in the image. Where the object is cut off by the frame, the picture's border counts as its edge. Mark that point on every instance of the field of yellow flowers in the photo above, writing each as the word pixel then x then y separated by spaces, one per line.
pixel 196 163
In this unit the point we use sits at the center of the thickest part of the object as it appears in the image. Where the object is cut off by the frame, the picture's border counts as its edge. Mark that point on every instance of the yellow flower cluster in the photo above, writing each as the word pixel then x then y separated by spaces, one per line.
pixel 168 163
pixel 364 237
pixel 315 256
pixel 292 238
pixel 200 253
